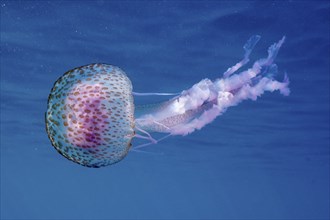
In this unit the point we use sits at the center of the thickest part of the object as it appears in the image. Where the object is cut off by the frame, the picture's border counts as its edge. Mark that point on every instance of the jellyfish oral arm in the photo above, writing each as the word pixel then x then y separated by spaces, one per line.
pixel 203 102
pixel 248 47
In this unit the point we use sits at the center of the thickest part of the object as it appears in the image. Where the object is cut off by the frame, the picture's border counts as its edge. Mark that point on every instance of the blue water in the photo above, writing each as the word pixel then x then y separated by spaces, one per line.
pixel 267 159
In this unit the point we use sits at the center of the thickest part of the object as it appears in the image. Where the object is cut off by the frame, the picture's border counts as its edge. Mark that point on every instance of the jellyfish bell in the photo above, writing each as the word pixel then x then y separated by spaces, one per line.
pixel 91 118
pixel 90 115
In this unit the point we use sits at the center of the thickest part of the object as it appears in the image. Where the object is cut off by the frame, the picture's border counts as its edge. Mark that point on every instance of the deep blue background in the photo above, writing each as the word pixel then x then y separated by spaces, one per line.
pixel 260 160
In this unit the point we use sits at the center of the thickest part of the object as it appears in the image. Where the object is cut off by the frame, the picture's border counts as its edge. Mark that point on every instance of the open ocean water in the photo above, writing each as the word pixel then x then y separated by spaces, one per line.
pixel 267 159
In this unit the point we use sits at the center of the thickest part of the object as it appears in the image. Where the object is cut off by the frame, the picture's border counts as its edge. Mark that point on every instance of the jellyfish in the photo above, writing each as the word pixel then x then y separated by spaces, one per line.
pixel 91 117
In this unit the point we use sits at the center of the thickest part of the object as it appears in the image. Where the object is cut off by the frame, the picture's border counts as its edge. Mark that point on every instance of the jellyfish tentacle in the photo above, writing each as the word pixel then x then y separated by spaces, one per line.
pixel 154 93
pixel 164 137
pixel 141 136
pixel 150 143
pixel 146 152
pixel 148 137
pixel 143 145
pixel 248 47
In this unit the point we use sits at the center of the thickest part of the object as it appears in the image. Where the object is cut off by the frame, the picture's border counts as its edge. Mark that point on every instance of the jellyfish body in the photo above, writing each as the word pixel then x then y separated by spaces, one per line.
pixel 90 116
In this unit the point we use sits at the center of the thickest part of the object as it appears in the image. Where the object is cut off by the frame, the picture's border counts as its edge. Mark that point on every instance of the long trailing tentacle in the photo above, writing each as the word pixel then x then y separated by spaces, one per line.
pixel 154 93
pixel 149 143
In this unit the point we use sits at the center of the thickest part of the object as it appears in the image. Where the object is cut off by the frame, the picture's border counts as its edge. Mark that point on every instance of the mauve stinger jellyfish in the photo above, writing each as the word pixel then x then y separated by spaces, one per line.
pixel 91 118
